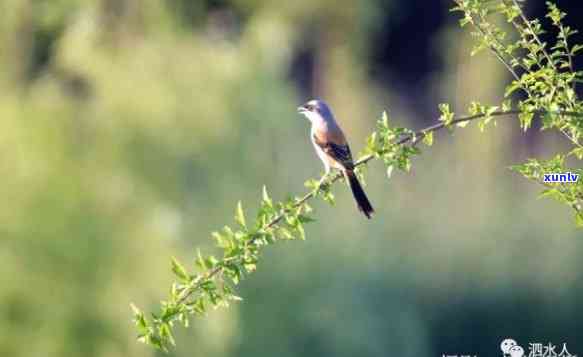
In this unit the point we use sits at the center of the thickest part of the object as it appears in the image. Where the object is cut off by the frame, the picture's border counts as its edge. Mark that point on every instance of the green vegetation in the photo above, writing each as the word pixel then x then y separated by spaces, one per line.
pixel 128 128
pixel 547 79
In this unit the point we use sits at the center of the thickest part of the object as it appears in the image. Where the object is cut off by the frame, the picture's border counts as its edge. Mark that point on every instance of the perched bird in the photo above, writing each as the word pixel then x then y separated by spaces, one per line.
pixel 333 150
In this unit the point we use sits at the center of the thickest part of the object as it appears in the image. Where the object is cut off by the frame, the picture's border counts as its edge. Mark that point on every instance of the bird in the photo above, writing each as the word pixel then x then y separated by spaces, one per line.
pixel 332 148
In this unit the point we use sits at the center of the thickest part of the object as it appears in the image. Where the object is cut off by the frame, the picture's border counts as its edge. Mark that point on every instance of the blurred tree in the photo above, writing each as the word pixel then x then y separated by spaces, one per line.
pixel 129 127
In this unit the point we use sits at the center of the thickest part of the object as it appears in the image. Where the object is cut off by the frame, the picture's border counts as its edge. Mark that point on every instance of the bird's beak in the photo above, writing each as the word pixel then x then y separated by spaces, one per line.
pixel 302 109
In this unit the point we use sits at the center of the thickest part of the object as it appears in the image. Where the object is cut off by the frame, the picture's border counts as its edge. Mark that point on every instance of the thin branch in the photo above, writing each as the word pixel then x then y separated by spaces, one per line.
pixel 502 59
pixel 509 67
pixel 502 45
pixel 188 291
pixel 569 55
pixel 534 35
pixel 575 205
pixel 571 138
pixel 494 50
pixel 548 57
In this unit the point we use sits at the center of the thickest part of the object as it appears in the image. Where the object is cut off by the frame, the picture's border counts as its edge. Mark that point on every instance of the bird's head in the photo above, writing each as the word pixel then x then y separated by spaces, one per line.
pixel 315 109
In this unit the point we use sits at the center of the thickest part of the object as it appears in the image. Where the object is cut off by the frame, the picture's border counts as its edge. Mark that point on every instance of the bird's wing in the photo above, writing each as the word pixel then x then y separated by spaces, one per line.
pixel 339 153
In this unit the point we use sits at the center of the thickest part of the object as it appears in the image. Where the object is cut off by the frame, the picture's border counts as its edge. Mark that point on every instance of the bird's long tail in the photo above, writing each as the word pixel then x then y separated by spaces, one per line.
pixel 361 200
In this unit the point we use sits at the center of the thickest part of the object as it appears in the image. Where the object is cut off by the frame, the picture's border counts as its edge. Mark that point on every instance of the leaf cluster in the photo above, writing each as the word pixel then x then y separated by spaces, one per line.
pixel 210 281
pixel 544 78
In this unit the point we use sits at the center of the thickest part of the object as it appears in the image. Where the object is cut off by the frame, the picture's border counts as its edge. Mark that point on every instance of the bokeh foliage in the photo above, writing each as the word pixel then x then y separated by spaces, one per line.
pixel 129 129
pixel 548 80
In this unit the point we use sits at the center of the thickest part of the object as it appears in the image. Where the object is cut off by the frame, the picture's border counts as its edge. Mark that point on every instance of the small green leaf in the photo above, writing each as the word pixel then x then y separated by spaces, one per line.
pixel 507 105
pixel 390 171
pixel 475 108
pixel 576 49
pixel 371 144
pixel 446 114
pixel 305 219
pixel 550 192
pixel 285 233
pixel 328 197
pixel 428 138
pixel 139 319
pixel 578 152
pixel 513 87
pixel 200 261
pixel 240 216
pixel 301 231
pixel 266 197
pixel 211 261
pixel 180 271
pixel 311 184
pixel 135 309
pixel 385 119
pixel 166 334
pixel 525 120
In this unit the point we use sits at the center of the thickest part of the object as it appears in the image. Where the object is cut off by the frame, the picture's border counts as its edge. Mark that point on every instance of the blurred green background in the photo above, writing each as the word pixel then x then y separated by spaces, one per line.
pixel 130 128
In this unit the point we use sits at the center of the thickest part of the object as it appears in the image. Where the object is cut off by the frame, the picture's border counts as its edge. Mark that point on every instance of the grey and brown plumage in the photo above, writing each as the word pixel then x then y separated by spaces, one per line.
pixel 332 148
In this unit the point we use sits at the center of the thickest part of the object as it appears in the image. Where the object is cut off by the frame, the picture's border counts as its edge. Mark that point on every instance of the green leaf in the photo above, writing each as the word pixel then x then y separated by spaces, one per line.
pixel 200 261
pixel 490 110
pixel 211 261
pixel 552 193
pixel 371 144
pixel 301 231
pixel 525 120
pixel 266 198
pixel 139 319
pixel 475 108
pixel 240 216
pixel 446 114
pixel 513 87
pixel 156 342
pixel 385 119
pixel 199 306
pixel 576 48
pixel 180 271
pixel 285 233
pixel 311 184
pixel 328 197
pixel 135 309
pixel 305 219
pixel 166 334
pixel 578 152
pixel 507 105
pixel 428 138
